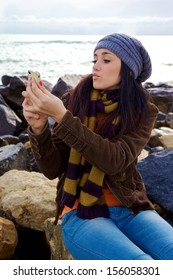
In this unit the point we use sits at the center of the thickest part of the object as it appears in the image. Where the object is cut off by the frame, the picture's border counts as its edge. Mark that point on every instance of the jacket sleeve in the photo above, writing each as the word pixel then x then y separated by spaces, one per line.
pixel 50 152
pixel 112 156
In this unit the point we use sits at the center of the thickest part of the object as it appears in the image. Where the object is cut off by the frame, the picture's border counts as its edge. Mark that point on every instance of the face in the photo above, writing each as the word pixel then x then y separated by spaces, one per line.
pixel 106 70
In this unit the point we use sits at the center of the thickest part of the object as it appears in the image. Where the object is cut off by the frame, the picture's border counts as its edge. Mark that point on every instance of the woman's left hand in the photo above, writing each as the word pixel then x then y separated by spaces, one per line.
pixel 43 102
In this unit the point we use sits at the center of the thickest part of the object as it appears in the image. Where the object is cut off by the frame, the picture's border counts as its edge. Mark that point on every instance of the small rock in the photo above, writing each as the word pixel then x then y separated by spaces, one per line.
pixel 8 238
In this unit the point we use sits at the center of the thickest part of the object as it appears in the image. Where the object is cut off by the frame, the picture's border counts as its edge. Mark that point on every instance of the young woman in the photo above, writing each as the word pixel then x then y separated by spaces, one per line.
pixel 101 127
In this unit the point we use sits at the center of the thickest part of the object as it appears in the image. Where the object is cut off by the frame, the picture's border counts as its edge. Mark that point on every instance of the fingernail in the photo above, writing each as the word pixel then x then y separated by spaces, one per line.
pixel 40 83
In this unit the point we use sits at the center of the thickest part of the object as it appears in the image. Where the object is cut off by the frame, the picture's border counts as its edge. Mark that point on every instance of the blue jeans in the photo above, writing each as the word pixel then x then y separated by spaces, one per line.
pixel 145 236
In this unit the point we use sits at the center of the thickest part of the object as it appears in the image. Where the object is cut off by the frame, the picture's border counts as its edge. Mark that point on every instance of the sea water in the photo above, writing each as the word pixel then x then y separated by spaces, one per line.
pixel 57 55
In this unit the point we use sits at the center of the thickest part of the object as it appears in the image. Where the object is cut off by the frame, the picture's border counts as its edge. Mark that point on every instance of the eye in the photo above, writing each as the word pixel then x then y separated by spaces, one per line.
pixel 106 60
pixel 94 61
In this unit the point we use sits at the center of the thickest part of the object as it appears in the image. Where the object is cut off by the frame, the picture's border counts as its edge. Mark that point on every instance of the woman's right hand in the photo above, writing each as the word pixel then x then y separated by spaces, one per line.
pixel 35 120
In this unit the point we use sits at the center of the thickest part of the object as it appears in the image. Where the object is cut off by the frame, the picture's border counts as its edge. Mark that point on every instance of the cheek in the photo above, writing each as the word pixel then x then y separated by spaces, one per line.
pixel 114 74
pixel 113 78
pixel 117 69
pixel 119 75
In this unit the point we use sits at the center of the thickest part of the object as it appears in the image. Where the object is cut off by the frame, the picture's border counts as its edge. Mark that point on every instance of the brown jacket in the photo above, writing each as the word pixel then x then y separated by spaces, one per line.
pixel 116 158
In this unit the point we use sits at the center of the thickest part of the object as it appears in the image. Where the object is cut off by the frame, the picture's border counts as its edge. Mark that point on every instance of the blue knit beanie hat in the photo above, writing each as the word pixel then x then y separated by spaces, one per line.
pixel 130 51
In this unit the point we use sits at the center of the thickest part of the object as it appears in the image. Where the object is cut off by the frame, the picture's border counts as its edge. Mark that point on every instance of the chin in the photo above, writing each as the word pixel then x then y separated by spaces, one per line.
pixel 97 86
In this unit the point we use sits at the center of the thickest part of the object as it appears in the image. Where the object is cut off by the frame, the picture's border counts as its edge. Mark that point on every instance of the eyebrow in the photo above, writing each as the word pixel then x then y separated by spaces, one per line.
pixel 103 53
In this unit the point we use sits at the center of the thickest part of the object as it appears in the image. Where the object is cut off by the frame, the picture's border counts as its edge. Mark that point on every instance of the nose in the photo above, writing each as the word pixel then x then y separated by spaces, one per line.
pixel 97 65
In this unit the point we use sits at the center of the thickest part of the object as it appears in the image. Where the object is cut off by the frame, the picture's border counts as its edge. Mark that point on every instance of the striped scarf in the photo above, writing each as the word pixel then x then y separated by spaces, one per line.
pixel 83 180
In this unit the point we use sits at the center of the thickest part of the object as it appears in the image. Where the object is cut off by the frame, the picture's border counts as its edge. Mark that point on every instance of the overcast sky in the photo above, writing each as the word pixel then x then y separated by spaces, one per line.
pixel 138 17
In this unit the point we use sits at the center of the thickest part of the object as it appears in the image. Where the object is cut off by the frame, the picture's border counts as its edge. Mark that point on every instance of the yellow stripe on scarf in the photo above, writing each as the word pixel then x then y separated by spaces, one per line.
pixel 94 95
pixel 96 176
pixel 111 107
pixel 75 157
pixel 90 200
pixel 83 179
pixel 70 185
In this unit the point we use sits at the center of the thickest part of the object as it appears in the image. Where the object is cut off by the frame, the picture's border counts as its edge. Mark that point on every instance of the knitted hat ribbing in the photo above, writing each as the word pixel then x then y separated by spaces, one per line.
pixel 130 51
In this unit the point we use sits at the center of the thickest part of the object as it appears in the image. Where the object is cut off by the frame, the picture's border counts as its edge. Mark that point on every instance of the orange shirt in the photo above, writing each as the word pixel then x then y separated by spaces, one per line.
pixel 111 200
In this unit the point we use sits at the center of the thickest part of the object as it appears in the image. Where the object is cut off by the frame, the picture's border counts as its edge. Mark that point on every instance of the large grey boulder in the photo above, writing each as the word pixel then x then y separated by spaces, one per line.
pixel 157 173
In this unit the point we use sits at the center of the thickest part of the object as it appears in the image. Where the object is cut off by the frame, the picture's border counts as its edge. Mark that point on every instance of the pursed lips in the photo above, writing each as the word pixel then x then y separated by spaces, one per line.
pixel 95 75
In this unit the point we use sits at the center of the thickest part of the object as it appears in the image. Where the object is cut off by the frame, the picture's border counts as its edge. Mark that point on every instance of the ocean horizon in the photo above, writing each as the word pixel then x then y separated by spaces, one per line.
pixel 57 55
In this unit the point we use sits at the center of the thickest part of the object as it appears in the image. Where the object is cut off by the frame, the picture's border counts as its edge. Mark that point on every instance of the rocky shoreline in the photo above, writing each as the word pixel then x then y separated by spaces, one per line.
pixel 27 198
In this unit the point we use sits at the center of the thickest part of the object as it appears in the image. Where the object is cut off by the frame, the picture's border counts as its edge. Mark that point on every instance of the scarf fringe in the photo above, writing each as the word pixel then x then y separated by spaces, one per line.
pixel 92 212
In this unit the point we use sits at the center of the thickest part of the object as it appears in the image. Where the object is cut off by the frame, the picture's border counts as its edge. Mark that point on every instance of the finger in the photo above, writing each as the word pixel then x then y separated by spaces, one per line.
pixel 39 89
pixel 32 93
pixel 24 93
pixel 29 83
pixel 36 89
pixel 30 115
pixel 43 89
pixel 25 101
